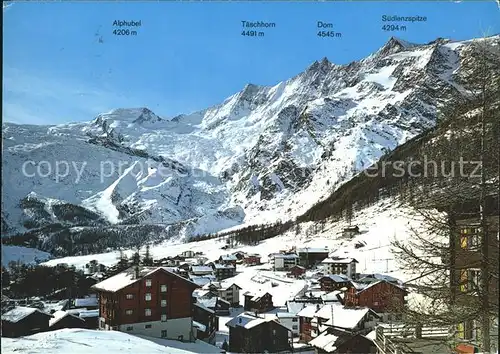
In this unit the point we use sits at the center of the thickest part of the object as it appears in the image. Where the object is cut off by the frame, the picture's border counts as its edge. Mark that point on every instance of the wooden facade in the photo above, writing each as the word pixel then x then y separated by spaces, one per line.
pixel 158 296
pixel 268 336
pixel 258 303
pixel 329 284
pixel 207 318
pixel 35 322
pixel 380 296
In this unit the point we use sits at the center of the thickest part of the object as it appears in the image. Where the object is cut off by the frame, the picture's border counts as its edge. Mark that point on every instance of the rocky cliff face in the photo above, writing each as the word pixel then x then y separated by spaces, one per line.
pixel 265 153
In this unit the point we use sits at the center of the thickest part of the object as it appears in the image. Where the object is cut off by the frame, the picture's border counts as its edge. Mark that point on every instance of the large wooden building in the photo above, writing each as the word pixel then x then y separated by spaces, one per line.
pixel 381 296
pixel 252 334
pixel 258 302
pixel 151 301
pixel 334 282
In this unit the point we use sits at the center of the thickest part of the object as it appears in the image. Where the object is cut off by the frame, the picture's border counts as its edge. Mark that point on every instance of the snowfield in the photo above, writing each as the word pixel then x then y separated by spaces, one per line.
pixel 97 342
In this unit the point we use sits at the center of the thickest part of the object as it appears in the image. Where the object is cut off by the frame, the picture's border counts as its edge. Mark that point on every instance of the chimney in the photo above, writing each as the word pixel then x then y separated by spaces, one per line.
pixel 136 272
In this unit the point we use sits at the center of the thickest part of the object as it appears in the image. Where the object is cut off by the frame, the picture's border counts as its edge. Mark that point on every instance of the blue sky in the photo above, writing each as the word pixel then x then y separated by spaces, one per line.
pixel 188 56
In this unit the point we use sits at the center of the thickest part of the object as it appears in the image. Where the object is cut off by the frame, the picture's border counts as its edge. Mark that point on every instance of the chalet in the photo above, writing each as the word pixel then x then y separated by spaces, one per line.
pixel 63 319
pixel 188 254
pixel 201 270
pixel 239 255
pixel 218 305
pixel 381 296
pixel 224 271
pixel 297 271
pixel 370 278
pixel 290 321
pixel 252 334
pixel 337 341
pixel 338 265
pixel 350 231
pixel 310 256
pixel 153 301
pixel 24 321
pixel 231 294
pixel 334 282
pixel 355 320
pixel 283 261
pixel 258 302
pixel 252 259
pixel 228 259
pixel 305 318
pixel 206 323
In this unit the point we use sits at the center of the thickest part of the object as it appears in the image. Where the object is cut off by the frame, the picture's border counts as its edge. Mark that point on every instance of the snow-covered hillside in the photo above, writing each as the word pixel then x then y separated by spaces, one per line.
pixel 265 153
pixel 379 225
pixel 96 342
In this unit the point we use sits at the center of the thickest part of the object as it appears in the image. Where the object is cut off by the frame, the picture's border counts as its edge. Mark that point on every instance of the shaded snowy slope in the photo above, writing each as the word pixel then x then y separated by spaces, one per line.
pixel 265 153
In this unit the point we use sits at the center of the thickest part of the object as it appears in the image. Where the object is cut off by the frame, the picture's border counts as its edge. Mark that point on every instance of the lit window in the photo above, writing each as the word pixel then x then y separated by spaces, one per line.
pixel 148 296
pixel 163 318
pixel 129 296
pixel 147 312
pixel 129 312
pixel 148 282
pixel 163 288
pixel 163 303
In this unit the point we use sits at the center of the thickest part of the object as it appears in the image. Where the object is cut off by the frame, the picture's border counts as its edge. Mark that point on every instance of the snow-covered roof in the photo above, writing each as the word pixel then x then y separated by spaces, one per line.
pixel 214 284
pixel 378 276
pixel 247 320
pixel 334 260
pixel 127 277
pixel 313 250
pixel 20 312
pixel 347 318
pixel 202 280
pixel 296 307
pixel 200 326
pixel 228 257
pixel 59 315
pixel 86 302
pixel 201 269
pixel 338 278
pixel 202 306
pixel 88 313
pixel 286 315
pixel 367 286
pixel 223 266
pixel 285 256
pixel 332 296
pixel 309 311
pixel 325 341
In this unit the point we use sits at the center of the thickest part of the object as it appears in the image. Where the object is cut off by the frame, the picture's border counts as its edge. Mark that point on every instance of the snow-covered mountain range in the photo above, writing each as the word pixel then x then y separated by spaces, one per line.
pixel 265 153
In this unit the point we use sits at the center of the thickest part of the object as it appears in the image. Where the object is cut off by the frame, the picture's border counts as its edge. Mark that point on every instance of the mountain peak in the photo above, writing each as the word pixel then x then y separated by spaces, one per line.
pixel 394 45
pixel 132 115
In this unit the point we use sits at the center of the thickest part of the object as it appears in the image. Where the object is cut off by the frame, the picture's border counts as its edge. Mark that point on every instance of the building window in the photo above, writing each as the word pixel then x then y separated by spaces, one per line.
pixel 130 296
pixel 163 303
pixel 295 327
pixel 148 296
pixel 164 318
pixel 147 312
pixel 163 288
pixel 295 319
pixel 164 333
pixel 129 312
pixel 148 282
pixel 130 328
pixel 147 326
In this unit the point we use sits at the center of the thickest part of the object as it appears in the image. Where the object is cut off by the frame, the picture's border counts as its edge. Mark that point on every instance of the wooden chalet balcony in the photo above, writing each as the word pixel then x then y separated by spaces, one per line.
pixel 402 339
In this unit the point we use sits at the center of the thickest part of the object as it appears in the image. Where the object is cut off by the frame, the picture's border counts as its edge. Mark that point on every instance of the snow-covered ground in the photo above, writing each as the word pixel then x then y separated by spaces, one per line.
pixel 91 341
pixel 379 224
